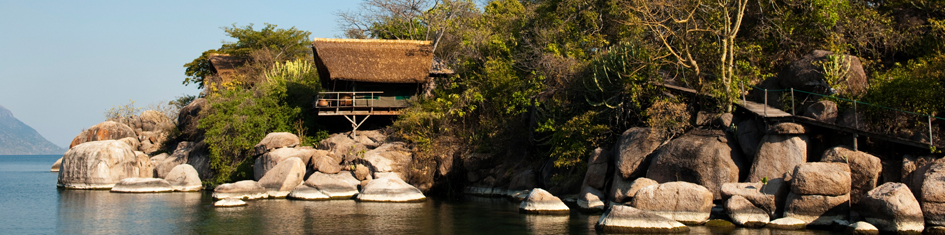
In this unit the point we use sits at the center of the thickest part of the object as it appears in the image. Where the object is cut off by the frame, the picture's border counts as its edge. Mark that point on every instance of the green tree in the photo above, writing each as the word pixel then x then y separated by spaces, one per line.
pixel 283 45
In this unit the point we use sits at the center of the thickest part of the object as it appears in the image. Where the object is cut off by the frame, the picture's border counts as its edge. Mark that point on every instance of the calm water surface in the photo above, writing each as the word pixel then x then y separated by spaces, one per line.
pixel 30 203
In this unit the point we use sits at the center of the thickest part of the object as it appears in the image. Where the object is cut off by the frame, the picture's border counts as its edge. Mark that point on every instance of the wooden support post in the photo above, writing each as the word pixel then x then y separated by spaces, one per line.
pixel 766 103
pixel 355 125
pixel 931 142
pixel 856 128
pixel 793 108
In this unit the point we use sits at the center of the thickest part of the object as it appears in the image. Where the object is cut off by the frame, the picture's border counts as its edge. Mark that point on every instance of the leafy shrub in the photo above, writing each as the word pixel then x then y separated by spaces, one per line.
pixel 669 115
pixel 572 140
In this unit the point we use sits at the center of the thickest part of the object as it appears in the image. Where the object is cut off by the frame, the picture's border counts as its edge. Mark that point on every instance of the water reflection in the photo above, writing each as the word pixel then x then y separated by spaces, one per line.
pixel 100 211
pixel 547 224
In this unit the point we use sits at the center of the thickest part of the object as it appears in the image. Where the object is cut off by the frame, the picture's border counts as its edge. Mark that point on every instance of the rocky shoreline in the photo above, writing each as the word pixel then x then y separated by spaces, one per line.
pixel 728 171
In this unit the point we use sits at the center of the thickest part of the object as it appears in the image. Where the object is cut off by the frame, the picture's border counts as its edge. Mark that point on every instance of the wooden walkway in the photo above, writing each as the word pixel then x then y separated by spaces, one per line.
pixel 776 115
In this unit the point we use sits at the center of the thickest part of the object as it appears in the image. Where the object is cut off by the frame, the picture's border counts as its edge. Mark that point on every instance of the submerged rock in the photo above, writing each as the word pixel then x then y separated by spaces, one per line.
pixel 246 189
pixel 625 219
pixel 142 185
pixel 540 201
pixel 335 186
pixel 787 223
pixel 229 202
pixel 305 192
pixel 862 228
pixel 390 189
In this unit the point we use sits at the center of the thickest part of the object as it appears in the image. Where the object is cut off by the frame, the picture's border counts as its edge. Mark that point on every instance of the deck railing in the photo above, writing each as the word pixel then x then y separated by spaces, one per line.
pixel 347 99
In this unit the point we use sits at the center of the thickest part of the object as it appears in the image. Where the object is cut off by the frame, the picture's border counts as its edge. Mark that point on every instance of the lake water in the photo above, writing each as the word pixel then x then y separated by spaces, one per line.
pixel 30 203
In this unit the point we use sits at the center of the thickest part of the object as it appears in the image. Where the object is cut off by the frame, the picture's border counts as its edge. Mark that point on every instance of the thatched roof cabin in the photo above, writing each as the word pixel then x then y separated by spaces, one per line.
pixel 375 60
pixel 224 66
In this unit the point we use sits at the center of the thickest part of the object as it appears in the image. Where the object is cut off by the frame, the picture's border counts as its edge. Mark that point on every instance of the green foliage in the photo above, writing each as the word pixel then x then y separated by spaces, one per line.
pixel 669 115
pixel 239 118
pixel 620 82
pixel 121 112
pixel 287 44
pixel 572 140
pixel 917 87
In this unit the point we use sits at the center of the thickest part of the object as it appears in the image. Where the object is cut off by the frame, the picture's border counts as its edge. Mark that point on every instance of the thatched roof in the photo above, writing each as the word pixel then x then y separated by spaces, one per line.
pixel 224 65
pixel 373 60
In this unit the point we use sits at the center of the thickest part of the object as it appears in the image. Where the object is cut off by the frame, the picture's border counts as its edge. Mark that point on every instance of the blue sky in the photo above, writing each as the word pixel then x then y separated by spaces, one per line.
pixel 64 63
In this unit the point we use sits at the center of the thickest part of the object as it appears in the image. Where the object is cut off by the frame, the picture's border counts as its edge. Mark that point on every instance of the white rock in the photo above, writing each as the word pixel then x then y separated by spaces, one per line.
pixel 787 224
pixel 334 185
pixel 304 192
pixel 626 219
pixel 390 189
pixel 184 178
pixel 229 202
pixel 283 178
pixel 246 189
pixel 142 185
pixel 97 165
pixel 540 201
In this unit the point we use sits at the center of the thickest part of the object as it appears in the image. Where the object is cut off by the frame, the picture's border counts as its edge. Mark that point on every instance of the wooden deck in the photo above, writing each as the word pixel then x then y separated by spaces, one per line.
pixel 776 115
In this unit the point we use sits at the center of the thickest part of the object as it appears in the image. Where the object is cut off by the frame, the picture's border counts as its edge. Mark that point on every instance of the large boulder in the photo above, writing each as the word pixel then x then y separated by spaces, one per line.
pixel 246 189
pixel 818 210
pixel 145 166
pixel 821 178
pixel 591 199
pixel 525 180
pixel 342 145
pixel 597 166
pixel 703 157
pixel 891 207
pixel 933 194
pixel 283 178
pixel 272 158
pixel 864 169
pixel 184 178
pixel 97 165
pixel 193 153
pixel 749 133
pixel 540 201
pixel 638 184
pixel 390 157
pixel 276 140
pixel 787 223
pixel 778 154
pixel 619 188
pixel 768 197
pixel 108 130
pixel 633 147
pixel 336 186
pixel 745 213
pixel 823 111
pixel 807 74
pixel 685 202
pixel 625 219
pixel 187 119
pixel 325 163
pixel 142 185
pixel 389 189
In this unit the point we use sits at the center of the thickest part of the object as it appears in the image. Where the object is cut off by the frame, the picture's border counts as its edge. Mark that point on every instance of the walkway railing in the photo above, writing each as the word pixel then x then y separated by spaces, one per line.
pixel 885 120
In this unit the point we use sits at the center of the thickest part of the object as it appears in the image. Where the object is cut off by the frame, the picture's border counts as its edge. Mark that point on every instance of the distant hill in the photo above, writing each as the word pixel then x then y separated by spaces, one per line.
pixel 16 138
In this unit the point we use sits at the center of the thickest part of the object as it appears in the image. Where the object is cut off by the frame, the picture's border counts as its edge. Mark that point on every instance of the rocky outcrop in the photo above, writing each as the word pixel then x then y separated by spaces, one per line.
pixel 818 210
pixel 97 165
pixel 638 184
pixel 625 219
pixel 540 201
pixel 193 153
pixel 246 189
pixel 749 133
pixel 821 178
pixel 305 192
pixel 389 157
pixel 187 119
pixel 744 213
pixel 787 223
pixel 891 207
pixel 142 185
pixel 145 166
pixel 336 186
pixel 703 157
pixel 152 128
pixel 591 200
pixel 932 192
pixel 824 111
pixel 864 169
pixel 389 189
pixel 229 202
pixel 276 140
pixel 685 202
pixel 56 165
pixel 184 178
pixel 109 130
pixel 779 153
pixel 597 164
pixel 343 146
pixel 272 158
pixel 633 147
pixel 283 178
pixel 769 197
